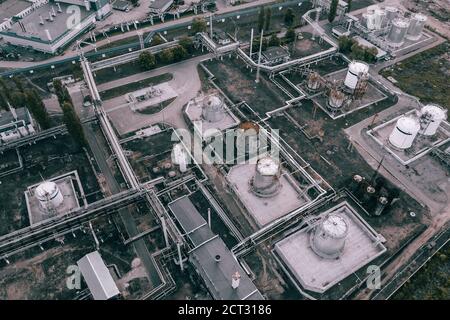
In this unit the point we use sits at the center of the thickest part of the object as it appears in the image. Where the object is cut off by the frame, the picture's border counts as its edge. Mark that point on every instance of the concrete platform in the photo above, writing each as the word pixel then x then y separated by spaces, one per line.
pixel 266 210
pixel 66 186
pixel 205 128
pixel 372 95
pixel 318 274
pixel 422 145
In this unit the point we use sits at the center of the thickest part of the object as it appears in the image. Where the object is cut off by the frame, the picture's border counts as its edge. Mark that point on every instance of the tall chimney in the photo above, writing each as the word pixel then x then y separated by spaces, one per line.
pixel 59 7
pixel 50 16
pixel 41 20
pixel 53 11
pixel 235 280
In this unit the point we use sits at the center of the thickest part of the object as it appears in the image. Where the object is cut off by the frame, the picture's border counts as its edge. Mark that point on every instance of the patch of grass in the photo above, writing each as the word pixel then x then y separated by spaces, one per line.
pixel 156 108
pixel 425 75
pixel 430 283
pixel 130 87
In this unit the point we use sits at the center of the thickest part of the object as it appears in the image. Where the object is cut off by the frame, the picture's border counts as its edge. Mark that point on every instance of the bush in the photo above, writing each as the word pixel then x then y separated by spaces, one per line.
pixel 147 60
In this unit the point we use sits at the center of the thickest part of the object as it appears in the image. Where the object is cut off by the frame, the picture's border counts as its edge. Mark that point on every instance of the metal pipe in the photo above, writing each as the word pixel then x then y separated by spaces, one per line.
pixel 259 57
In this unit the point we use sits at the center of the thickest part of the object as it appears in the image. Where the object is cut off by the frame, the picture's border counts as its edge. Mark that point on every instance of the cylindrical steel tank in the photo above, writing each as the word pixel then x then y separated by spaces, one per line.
pixel 416 25
pixel 328 238
pixel 335 99
pixel 370 17
pixel 180 157
pixel 431 117
pixel 397 33
pixel 49 196
pixel 313 81
pixel 213 109
pixel 404 133
pixel 247 137
pixel 266 181
pixel 380 17
pixel 356 69
pixel 391 14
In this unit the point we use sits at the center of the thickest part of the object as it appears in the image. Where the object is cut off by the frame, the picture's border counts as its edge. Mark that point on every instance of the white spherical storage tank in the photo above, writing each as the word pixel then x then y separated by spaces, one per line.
pixel 266 181
pixel 404 133
pixel 49 195
pixel 213 110
pixel 356 69
pixel 431 117
pixel 328 238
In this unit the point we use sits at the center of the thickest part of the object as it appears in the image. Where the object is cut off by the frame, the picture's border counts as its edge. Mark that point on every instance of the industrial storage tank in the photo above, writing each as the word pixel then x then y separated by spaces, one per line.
pixel 328 238
pixel 180 157
pixel 380 17
pixel 313 81
pixel 213 109
pixel 416 25
pixel 49 196
pixel 404 133
pixel 356 70
pixel 246 136
pixel 391 14
pixel 430 117
pixel 266 181
pixel 335 99
pixel 370 17
pixel 397 33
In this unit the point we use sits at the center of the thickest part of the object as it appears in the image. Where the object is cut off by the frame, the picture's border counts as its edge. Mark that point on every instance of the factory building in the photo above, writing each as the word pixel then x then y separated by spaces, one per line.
pixel 275 55
pixel 52 25
pixel 213 261
pixel 97 277
pixel 15 124
pixel 160 6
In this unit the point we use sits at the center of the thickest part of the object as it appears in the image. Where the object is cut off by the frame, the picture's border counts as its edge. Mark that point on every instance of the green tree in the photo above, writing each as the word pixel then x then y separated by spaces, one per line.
pixel 261 18
pixel 345 44
pixel 187 44
pixel 134 2
pixel 370 54
pixel 156 40
pixel 18 99
pixel 147 60
pixel 199 25
pixel 267 20
pixel 73 123
pixel 274 41
pixel 289 17
pixel 333 10
pixel 179 53
pixel 37 109
pixel 290 35
pixel 166 56
pixel 3 101
pixel 349 5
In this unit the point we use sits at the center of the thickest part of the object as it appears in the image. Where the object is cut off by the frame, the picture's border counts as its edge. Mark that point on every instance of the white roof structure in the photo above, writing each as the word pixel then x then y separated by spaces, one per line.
pixel 335 226
pixel 435 111
pixel 97 276
pixel 408 125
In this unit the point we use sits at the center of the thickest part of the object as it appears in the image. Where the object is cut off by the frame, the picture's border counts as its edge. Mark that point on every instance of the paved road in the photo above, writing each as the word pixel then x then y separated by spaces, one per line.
pixel 70 53
pixel 185 82
pixel 439 211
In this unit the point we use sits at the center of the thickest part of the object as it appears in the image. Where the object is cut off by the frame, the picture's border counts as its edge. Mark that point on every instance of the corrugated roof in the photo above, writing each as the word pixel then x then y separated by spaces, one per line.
pixel 97 276
pixel 216 275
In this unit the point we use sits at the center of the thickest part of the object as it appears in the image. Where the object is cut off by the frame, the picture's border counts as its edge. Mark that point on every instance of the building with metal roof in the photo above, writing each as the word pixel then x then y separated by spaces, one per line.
pixel 275 55
pixel 214 262
pixel 97 277
pixel 50 26
pixel 160 6
pixel 15 124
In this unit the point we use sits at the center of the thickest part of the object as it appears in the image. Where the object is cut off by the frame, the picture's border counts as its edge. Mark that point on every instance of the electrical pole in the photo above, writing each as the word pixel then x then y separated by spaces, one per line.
pixel 259 57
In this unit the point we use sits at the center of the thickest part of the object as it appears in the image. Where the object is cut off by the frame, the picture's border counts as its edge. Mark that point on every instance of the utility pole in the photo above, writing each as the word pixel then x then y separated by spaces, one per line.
pixel 251 43
pixel 259 57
